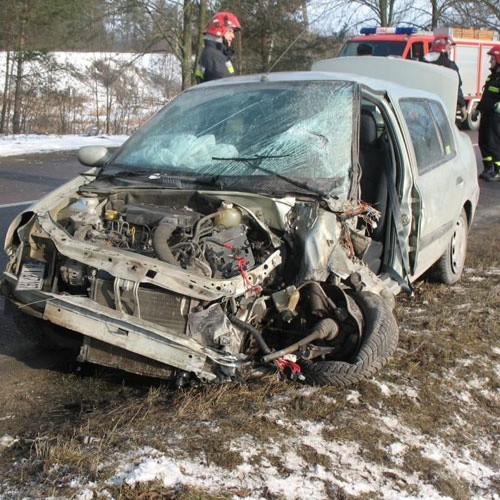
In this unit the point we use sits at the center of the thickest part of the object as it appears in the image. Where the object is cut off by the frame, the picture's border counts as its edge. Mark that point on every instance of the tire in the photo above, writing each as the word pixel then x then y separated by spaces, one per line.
pixel 471 124
pixel 380 339
pixel 44 334
pixel 448 269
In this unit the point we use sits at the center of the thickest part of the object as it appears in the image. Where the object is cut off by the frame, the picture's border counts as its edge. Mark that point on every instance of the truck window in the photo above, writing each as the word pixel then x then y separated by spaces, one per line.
pixel 430 132
pixel 380 48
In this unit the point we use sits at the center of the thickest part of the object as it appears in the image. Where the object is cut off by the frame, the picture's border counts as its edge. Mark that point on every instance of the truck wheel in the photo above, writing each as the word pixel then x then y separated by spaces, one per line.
pixel 448 269
pixel 471 124
pixel 380 338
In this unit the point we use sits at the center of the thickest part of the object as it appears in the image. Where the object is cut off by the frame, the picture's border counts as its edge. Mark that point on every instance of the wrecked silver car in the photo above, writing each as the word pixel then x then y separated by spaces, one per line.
pixel 254 224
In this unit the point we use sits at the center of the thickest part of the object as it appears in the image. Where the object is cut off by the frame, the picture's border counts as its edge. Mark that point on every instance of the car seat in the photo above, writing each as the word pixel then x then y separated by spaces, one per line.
pixel 373 158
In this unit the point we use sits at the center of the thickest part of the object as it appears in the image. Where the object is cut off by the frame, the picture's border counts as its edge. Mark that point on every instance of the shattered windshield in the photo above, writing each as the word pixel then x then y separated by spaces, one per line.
pixel 300 131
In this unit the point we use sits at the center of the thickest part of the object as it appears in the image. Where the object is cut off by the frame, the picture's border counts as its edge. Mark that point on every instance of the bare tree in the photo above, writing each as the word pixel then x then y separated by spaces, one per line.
pixel 187 44
pixel 269 27
pixel 19 61
pixel 175 24
pixel 202 21
pixel 30 29
pixel 479 14
pixel 385 12
pixel 6 93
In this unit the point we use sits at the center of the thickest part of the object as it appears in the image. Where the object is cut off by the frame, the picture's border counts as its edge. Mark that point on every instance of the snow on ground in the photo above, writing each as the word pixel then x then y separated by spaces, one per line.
pixel 350 470
pixel 21 144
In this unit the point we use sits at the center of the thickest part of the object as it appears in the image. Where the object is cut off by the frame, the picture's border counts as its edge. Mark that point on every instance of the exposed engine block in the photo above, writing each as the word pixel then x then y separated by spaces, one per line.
pixel 221 244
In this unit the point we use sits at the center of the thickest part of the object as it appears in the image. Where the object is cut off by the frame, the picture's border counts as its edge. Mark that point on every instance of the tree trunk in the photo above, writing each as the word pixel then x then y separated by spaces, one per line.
pixel 6 94
pixel 202 21
pixel 96 94
pixel 16 116
pixel 186 49
pixel 305 16
pixel 434 14
pixel 108 107
pixel 383 13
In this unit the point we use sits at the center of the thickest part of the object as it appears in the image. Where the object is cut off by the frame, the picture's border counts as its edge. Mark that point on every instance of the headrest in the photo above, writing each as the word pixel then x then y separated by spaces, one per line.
pixel 368 133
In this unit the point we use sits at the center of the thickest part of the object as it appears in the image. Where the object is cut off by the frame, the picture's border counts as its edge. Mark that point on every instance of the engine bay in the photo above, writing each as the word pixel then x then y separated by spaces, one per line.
pixel 221 242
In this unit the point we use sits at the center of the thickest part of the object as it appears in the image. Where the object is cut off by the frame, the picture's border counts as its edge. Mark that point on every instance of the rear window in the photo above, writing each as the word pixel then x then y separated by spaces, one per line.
pixel 430 132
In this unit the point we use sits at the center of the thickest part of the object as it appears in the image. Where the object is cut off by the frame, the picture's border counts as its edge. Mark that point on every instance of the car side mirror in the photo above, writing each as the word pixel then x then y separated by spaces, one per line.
pixel 93 156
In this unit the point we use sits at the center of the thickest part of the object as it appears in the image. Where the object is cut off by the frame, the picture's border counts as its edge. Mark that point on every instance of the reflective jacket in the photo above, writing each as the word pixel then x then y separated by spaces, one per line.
pixel 490 101
pixel 215 62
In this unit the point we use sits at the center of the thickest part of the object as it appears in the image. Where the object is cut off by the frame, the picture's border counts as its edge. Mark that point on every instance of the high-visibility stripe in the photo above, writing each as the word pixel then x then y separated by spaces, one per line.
pixel 200 72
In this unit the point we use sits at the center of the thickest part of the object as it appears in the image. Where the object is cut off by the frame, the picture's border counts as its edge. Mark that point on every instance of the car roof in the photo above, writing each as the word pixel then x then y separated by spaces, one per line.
pixel 300 76
pixel 399 78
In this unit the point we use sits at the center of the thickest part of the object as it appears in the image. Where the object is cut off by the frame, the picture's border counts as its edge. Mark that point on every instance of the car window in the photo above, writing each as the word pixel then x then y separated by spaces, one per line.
pixel 294 129
pixel 444 128
pixel 430 132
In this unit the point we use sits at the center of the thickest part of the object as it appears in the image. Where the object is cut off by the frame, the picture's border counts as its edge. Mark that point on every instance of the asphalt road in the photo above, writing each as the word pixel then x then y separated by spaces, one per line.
pixel 22 180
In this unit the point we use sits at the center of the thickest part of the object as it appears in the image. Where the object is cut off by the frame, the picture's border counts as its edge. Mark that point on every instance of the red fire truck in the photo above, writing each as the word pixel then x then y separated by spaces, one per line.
pixel 470 53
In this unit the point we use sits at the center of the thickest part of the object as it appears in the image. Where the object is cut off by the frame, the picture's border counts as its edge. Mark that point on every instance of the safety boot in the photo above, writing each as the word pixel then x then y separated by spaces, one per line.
pixel 488 170
pixel 495 175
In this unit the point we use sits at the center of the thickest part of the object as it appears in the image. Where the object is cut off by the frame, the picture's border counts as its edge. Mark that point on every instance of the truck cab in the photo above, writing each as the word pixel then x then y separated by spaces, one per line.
pixel 469 53
pixel 404 42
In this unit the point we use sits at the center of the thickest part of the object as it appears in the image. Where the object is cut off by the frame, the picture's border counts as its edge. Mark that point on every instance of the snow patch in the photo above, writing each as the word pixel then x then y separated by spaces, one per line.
pixel 34 143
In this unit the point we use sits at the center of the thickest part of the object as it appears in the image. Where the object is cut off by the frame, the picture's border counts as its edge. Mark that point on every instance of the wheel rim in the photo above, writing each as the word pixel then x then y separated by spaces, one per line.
pixel 459 246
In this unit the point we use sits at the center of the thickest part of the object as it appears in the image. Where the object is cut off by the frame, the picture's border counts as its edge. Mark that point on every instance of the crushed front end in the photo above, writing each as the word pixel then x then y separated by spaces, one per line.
pixel 219 241
pixel 181 284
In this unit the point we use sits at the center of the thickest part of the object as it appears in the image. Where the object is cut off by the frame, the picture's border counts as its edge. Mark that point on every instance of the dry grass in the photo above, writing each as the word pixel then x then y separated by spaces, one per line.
pixel 441 384
pixel 155 490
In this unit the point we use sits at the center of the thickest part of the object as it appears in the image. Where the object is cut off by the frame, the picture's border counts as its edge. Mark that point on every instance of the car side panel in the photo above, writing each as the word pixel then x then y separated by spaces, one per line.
pixel 442 185
pixel 442 194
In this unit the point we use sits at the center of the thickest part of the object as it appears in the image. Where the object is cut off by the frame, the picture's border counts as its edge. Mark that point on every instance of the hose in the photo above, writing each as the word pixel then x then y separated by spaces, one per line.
pixel 253 331
pixel 162 234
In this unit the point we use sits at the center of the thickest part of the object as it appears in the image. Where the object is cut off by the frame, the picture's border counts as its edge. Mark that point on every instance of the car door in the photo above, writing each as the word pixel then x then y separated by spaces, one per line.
pixel 439 180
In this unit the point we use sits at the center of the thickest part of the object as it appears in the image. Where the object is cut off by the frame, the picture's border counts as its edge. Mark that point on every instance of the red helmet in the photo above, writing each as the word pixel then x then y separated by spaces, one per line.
pixel 495 51
pixel 221 22
pixel 442 43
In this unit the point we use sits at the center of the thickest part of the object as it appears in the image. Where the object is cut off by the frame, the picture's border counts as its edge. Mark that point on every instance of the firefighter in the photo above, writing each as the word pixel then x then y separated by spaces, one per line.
pixel 216 58
pixel 489 126
pixel 439 53
pixel 364 49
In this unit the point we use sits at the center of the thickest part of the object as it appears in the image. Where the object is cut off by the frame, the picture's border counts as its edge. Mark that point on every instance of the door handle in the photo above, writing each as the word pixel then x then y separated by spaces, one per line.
pixel 460 180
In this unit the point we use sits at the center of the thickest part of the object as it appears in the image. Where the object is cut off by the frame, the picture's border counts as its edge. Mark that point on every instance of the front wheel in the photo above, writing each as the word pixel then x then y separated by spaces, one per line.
pixel 448 269
pixel 378 343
